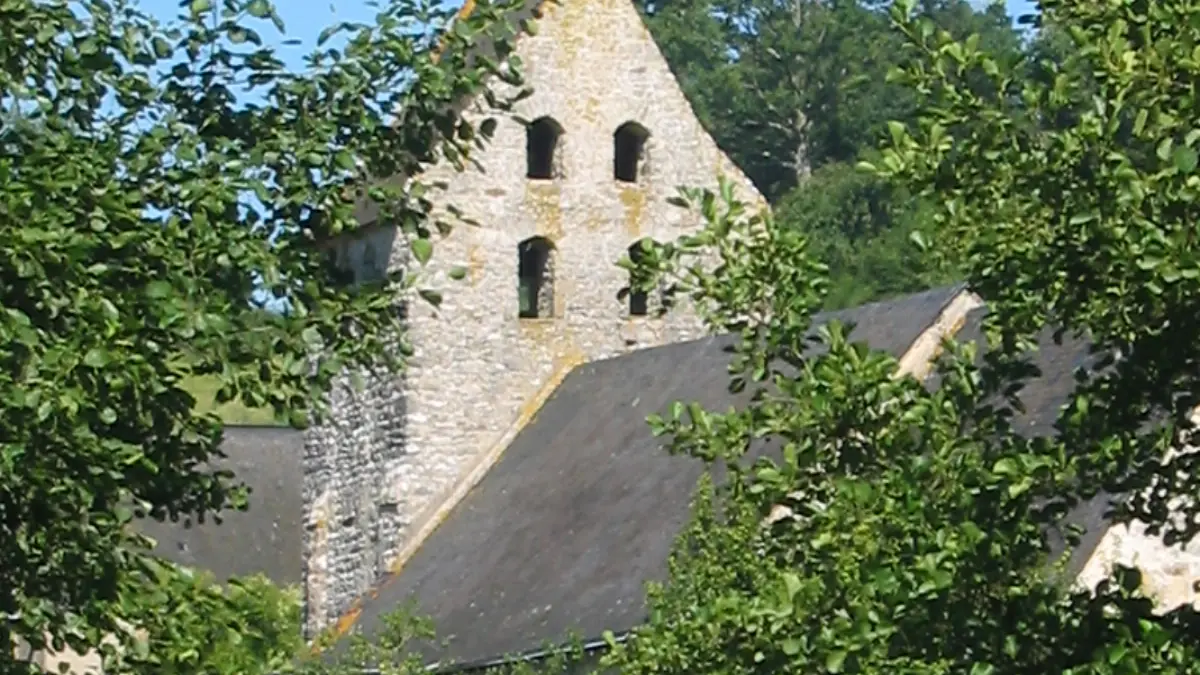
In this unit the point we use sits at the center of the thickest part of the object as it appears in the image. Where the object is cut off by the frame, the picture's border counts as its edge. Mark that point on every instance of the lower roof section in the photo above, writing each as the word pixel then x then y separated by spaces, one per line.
pixel 583 507
pixel 267 538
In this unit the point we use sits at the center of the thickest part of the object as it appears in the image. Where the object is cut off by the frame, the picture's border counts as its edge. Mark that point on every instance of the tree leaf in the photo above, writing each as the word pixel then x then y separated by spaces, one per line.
pixel 1184 159
pixel 422 250
pixel 918 239
pixel 791 584
pixel 96 357
pixel 259 9
pixel 834 661
pixel 157 290
pixel 312 337
pixel 1006 466
pixel 431 296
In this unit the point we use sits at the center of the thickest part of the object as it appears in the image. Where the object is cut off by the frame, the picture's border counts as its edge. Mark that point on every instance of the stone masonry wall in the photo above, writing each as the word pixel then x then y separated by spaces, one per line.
pixel 376 485
pixel 1170 574
pixel 350 524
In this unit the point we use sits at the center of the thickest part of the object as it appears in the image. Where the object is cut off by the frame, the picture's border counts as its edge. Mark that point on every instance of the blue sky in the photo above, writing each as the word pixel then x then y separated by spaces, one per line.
pixel 306 19
pixel 1018 7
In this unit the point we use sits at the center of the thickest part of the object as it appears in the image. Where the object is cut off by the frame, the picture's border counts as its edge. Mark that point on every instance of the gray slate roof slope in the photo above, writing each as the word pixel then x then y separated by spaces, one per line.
pixel 265 539
pixel 1043 398
pixel 582 509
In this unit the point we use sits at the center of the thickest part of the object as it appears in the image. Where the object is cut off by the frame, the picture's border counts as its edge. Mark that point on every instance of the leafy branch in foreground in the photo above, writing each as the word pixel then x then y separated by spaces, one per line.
pixel 867 523
pixel 143 202
pixel 396 649
pixel 1070 199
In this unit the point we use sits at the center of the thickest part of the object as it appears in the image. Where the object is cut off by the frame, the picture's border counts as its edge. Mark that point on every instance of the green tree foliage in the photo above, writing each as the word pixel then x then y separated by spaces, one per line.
pixel 187 624
pixel 860 226
pixel 395 650
pixel 140 206
pixel 797 92
pixel 1087 186
pixel 869 524
pixel 786 86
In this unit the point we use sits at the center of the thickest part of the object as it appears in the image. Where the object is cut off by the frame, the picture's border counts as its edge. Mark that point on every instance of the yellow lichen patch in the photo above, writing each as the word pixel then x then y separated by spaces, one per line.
pixel 348 620
pixel 541 192
pixel 566 360
pixel 634 201
pixel 538 330
pixel 475 264
pixel 594 224
pixel 543 200
pixel 1168 588
pixel 534 403
pixel 572 22
pixel 550 225
pixel 463 13
pixel 590 110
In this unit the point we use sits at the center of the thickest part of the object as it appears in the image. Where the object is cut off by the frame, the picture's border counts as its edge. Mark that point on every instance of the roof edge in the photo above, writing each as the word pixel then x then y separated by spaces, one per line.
pixel 590 646
pixel 918 360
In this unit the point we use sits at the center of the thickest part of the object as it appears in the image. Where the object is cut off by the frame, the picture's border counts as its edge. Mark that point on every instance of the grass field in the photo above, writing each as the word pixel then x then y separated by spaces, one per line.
pixel 204 390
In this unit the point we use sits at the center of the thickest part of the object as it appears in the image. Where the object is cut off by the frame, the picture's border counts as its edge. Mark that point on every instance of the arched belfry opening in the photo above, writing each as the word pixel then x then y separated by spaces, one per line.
pixel 639 299
pixel 629 152
pixel 644 301
pixel 535 278
pixel 542 149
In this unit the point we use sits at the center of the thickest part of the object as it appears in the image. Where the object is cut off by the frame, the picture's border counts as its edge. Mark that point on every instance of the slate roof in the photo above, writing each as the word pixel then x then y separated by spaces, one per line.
pixel 265 539
pixel 582 509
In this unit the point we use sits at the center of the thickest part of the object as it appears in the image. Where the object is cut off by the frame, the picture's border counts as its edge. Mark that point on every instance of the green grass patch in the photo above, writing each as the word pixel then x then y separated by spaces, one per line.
pixel 204 390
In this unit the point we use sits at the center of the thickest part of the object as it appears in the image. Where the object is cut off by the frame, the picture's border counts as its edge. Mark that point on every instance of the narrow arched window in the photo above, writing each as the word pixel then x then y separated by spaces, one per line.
pixel 629 151
pixel 542 138
pixel 535 278
pixel 639 299
pixel 643 301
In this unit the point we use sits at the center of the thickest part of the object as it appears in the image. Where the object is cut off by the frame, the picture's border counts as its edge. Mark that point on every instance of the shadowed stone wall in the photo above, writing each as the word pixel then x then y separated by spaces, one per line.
pixel 398 455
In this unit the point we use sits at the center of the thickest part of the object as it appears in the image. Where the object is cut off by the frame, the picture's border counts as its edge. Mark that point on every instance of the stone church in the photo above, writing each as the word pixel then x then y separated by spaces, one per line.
pixel 570 184
pixel 507 481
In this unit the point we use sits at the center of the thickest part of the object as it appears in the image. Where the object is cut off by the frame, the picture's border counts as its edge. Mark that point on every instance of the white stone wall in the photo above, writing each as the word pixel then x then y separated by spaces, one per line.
pixel 1170 574
pixel 396 456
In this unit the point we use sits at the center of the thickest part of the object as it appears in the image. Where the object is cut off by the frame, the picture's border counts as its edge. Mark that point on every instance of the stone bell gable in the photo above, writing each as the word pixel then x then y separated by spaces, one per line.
pixel 569 184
